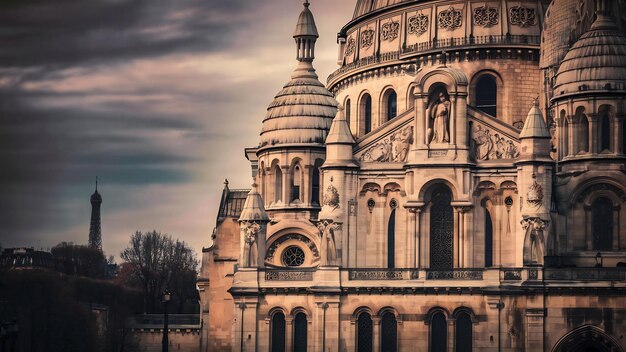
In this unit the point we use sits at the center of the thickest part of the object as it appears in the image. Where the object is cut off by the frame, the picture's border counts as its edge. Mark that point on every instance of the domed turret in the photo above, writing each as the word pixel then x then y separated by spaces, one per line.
pixel 303 110
pixel 597 61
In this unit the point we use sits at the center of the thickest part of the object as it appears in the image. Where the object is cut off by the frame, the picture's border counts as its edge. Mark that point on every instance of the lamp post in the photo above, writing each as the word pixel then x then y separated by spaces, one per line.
pixel 166 300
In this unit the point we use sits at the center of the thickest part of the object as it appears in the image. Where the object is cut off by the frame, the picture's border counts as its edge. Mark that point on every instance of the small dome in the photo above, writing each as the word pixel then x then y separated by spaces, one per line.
pixel 306 23
pixel 301 112
pixel 597 61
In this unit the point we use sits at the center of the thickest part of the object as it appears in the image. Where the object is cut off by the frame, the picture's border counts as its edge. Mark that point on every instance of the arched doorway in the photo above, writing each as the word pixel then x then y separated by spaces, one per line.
pixel 441 229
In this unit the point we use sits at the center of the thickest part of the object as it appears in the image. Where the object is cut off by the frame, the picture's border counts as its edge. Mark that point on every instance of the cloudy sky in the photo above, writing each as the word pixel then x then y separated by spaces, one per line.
pixel 157 98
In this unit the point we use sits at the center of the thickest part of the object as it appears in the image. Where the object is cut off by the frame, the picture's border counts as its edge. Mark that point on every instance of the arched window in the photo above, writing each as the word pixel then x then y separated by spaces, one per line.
pixel 277 342
pixel 278 184
pixel 391 103
pixel 602 223
pixel 583 132
pixel 486 95
pixel 488 239
pixel 364 333
pixel 441 229
pixel 605 132
pixel 391 239
pixel 565 135
pixel 315 186
pixel 438 333
pixel 463 333
pixel 389 333
pixel 366 113
pixel 300 333
pixel 347 110
pixel 295 183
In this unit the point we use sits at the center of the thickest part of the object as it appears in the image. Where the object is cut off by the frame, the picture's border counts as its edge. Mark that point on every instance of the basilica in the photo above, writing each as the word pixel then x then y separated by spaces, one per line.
pixel 455 185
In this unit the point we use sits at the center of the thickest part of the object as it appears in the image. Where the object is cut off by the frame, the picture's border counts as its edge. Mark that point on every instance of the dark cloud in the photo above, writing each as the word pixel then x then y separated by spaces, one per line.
pixel 74 32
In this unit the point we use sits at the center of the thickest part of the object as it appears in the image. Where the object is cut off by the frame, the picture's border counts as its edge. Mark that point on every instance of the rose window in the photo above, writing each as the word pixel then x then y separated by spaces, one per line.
pixel 293 256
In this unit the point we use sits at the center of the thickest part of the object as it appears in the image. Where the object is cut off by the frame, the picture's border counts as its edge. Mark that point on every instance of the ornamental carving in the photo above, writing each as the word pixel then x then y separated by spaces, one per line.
pixel 331 197
pixel 394 148
pixel 269 256
pixel 328 248
pixel 250 231
pixel 534 197
pixel 492 146
pixel 485 16
pixel 418 24
pixel 389 30
pixel 454 275
pixel 350 47
pixel 375 274
pixel 367 38
pixel 288 275
pixel 449 19
pixel 522 16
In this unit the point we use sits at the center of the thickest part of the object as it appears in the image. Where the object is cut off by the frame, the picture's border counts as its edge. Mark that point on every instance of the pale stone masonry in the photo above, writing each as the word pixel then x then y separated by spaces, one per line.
pixel 458 184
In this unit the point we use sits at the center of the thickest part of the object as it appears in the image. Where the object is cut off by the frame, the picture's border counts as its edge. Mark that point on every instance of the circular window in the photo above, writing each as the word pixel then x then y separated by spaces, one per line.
pixel 393 204
pixel 293 256
pixel 508 201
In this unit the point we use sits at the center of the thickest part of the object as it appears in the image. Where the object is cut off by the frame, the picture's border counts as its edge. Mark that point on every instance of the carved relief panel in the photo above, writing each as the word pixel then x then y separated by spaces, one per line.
pixel 485 16
pixel 488 144
pixel 449 18
pixel 393 148
pixel 418 25
pixel 367 40
pixel 350 48
pixel 390 33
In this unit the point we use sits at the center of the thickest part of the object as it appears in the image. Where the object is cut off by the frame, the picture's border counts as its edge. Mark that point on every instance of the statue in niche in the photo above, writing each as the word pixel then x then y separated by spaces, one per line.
pixel 439 116
pixel 250 247
pixel 534 241
pixel 328 250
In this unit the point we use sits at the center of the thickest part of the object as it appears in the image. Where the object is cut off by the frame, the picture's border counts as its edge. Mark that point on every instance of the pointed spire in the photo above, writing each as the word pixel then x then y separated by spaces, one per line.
pixel 253 208
pixel 535 126
pixel 340 130
pixel 96 184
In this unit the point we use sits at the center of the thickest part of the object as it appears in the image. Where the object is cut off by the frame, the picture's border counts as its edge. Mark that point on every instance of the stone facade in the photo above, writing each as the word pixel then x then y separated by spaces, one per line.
pixel 458 201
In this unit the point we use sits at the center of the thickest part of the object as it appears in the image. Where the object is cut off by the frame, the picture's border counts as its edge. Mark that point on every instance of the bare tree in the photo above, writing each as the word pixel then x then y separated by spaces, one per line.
pixel 159 263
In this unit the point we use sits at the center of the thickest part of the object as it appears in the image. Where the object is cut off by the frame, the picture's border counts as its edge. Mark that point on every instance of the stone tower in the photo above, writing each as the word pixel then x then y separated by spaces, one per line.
pixel 95 230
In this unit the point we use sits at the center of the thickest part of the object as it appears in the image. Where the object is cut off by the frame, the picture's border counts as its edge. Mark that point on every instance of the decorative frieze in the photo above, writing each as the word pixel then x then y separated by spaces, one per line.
pixel 485 16
pixel 288 275
pixel 512 274
pixel 367 38
pixel 394 148
pixel 418 24
pixel 449 19
pixel 389 30
pixel 522 16
pixel 492 146
pixel 454 274
pixel 376 274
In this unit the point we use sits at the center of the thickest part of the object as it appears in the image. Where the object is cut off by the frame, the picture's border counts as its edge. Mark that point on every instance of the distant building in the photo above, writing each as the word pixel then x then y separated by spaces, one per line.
pixel 458 184
pixel 27 258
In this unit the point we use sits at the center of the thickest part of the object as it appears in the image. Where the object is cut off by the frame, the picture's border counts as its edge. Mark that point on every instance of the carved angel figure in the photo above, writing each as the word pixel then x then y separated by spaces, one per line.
pixel 328 250
pixel 250 248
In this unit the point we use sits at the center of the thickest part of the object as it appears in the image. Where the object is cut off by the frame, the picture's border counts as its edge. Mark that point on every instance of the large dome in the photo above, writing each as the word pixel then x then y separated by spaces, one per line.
pixel 597 61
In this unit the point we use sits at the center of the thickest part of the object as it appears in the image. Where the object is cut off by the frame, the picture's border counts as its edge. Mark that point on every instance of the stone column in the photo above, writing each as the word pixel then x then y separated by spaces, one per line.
pixel 453 120
pixel 286 184
pixel 617 135
pixel 376 332
pixel 288 332
pixel 593 133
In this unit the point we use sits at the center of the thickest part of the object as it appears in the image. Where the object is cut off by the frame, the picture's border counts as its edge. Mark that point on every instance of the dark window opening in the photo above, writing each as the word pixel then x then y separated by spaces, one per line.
pixel 463 332
pixel 488 239
pixel 315 186
pixel 278 184
pixel 367 113
pixel 441 229
pixel 605 133
pixel 389 333
pixel 391 240
pixel 300 333
pixel 486 95
pixel 278 333
pixel 438 333
pixel 392 105
pixel 364 333
pixel 583 136
pixel 295 184
pixel 602 215
pixel 348 110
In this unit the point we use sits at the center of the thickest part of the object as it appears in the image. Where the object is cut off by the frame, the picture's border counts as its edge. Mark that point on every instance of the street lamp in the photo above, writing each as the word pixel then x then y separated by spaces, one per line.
pixel 166 300
pixel 599 260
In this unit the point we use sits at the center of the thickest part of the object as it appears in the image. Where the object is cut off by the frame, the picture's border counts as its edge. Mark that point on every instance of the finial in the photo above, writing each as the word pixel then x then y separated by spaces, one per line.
pixel 96 183
pixel 225 182
pixel 536 101
pixel 306 3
